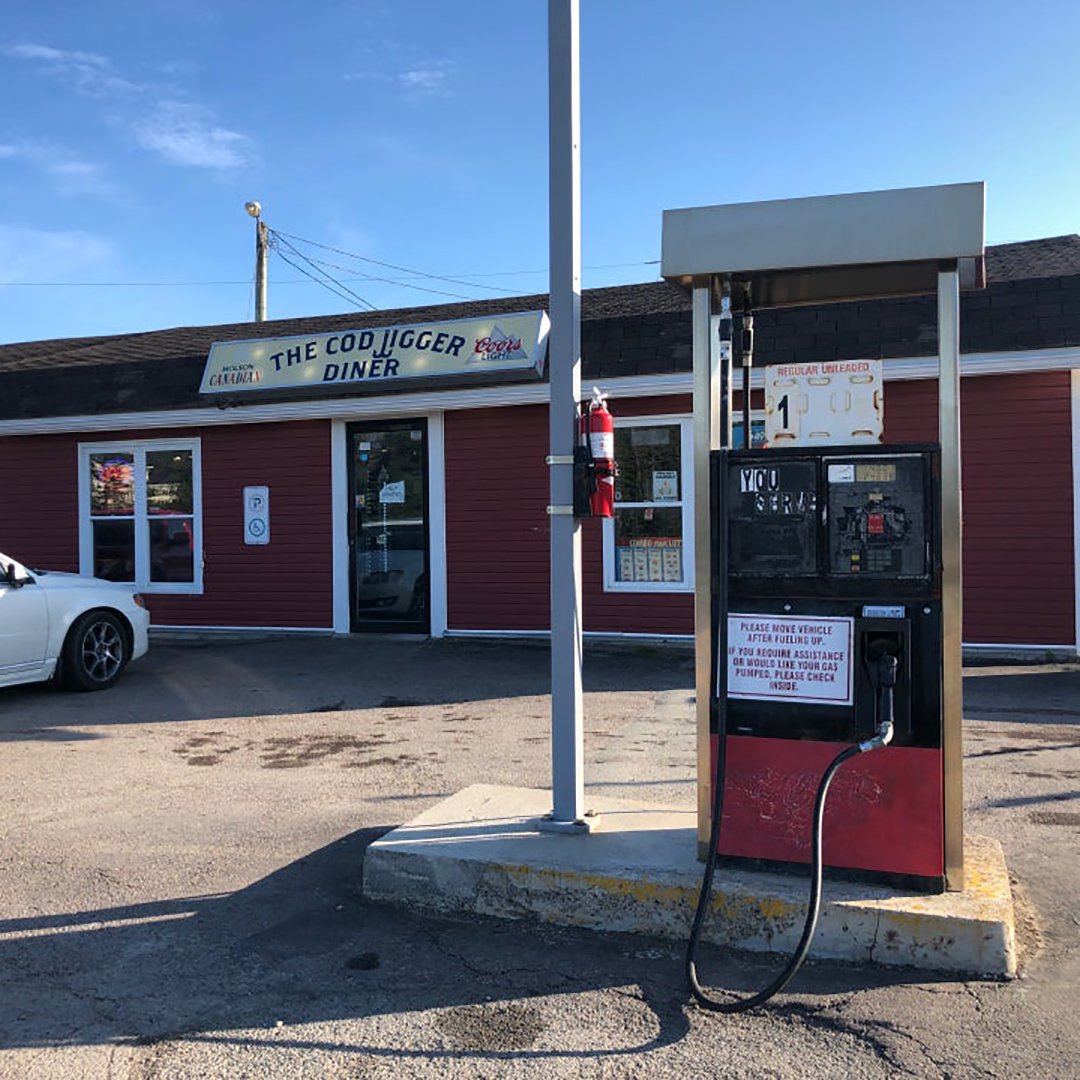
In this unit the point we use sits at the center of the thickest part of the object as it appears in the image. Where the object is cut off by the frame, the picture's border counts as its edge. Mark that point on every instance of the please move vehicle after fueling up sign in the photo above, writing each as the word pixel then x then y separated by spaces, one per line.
pixel 790 658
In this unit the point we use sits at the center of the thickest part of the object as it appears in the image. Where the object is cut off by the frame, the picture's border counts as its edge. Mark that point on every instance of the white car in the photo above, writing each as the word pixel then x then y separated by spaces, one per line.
pixel 80 629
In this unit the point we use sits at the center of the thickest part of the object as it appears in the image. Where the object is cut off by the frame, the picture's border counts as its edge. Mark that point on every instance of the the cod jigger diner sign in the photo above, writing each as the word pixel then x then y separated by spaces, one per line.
pixel 380 358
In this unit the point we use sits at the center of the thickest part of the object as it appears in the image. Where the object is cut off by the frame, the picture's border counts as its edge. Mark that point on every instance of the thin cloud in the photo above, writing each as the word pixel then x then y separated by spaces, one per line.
pixel 183 135
pixel 44 255
pixel 86 72
pixel 67 174
pixel 178 131
pixel 46 52
pixel 426 80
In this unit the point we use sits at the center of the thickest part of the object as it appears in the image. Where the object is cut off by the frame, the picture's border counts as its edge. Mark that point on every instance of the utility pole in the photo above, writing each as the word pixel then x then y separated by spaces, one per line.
pixel 261 247
pixel 564 350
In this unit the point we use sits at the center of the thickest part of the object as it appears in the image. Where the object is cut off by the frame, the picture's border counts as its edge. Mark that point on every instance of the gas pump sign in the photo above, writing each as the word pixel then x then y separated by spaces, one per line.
pixel 784 658
pixel 828 403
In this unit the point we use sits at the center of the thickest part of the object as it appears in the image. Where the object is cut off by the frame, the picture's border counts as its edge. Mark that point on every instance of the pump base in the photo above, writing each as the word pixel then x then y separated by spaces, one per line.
pixel 480 852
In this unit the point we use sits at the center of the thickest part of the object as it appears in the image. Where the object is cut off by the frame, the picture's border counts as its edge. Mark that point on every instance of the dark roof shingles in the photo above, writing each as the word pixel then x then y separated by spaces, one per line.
pixel 1032 300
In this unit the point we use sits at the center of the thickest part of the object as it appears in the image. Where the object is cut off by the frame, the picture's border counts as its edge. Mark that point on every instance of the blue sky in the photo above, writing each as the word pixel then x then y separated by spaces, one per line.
pixel 415 133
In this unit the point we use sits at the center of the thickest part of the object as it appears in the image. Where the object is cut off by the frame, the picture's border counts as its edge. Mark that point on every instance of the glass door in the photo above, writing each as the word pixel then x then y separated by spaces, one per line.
pixel 388 540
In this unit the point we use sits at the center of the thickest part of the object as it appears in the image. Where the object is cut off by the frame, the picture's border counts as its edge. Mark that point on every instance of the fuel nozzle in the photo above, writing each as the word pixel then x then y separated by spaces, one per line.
pixel 887 666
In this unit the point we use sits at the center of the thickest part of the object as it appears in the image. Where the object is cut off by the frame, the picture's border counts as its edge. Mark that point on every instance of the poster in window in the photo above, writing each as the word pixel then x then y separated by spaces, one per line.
pixel 673 563
pixel 641 564
pixel 665 485
pixel 626 564
pixel 656 563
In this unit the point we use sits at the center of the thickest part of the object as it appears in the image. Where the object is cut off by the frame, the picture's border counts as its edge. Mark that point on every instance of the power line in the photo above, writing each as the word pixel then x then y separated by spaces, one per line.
pixel 292 281
pixel 326 285
pixel 404 284
pixel 393 266
pixel 331 283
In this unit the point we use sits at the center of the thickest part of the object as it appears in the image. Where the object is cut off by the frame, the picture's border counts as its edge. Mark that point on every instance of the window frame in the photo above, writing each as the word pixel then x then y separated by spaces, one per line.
pixel 685 504
pixel 139 448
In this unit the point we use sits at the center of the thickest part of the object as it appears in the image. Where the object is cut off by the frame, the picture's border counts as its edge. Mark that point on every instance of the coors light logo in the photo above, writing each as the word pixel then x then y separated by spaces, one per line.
pixel 498 346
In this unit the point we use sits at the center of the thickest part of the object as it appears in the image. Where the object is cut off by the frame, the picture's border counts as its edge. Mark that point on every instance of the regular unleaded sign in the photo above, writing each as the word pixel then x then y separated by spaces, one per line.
pixel 829 403
pixel 790 658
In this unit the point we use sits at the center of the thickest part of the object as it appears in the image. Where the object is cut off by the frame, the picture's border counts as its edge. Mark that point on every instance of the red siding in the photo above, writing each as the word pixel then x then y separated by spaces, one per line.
pixel 496 525
pixel 286 583
pixel 1018 516
pixel 497 548
pixel 1016 433
pixel 39 513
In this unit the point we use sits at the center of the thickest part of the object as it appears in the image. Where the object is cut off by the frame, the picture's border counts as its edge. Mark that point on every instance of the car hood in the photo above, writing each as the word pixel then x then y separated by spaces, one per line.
pixel 57 579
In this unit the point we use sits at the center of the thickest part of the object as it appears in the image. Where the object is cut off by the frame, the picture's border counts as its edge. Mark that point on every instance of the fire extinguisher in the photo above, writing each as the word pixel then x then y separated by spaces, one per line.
pixel 601 441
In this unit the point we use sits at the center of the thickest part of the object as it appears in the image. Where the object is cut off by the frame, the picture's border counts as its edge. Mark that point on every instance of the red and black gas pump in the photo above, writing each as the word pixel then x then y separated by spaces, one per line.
pixel 827 619
pixel 827 616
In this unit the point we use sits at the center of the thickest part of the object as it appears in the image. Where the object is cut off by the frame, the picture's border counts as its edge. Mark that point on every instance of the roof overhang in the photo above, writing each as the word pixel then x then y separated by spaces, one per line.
pixel 834 247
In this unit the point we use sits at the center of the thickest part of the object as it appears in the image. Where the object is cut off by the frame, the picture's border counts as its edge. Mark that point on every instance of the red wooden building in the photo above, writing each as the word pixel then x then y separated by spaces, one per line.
pixel 419 504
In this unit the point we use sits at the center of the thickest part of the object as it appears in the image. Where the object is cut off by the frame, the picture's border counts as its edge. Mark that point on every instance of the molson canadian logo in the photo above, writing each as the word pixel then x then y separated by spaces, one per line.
pixel 377 359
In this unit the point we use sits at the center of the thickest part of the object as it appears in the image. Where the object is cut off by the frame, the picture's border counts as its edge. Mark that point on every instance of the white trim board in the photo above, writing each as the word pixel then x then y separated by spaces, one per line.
pixel 339 527
pixel 535 393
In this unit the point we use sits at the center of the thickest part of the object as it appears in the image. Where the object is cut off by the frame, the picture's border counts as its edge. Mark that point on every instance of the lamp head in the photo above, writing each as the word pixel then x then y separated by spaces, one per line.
pixel 253 208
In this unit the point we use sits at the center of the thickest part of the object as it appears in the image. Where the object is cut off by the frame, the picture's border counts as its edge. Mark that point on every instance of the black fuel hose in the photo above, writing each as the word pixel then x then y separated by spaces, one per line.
pixel 813 910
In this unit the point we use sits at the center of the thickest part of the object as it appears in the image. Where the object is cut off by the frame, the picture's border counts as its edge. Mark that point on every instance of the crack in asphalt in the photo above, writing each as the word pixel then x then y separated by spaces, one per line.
pixel 864 1032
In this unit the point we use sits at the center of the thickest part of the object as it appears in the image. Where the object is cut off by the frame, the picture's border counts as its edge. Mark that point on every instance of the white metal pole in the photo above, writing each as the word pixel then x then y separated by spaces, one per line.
pixel 952 603
pixel 564 351
pixel 706 413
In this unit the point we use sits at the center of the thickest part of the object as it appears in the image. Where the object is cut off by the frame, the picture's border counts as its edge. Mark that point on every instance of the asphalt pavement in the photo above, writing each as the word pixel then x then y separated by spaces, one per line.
pixel 180 870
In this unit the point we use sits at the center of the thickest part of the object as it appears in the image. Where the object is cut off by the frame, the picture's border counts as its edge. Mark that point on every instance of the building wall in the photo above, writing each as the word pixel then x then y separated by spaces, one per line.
pixel 1016 435
pixel 497 532
pixel 1018 516
pixel 286 583
pixel 496 527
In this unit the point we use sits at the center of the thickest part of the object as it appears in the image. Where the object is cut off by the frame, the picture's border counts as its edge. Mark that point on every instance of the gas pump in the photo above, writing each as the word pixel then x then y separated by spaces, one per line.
pixel 828 624
pixel 827 612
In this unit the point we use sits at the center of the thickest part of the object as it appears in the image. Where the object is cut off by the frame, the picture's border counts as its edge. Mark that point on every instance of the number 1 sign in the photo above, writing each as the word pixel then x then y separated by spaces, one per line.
pixel 833 402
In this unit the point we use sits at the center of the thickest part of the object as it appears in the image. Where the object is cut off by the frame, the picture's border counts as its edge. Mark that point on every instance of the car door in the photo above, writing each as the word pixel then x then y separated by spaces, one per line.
pixel 24 628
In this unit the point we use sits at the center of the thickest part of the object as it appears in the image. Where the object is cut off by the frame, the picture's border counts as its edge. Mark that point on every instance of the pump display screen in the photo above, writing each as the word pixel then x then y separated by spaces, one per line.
pixel 877 522
pixel 772 515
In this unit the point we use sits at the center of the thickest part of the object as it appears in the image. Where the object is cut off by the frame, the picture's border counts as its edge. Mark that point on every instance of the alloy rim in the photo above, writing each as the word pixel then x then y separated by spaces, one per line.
pixel 103 651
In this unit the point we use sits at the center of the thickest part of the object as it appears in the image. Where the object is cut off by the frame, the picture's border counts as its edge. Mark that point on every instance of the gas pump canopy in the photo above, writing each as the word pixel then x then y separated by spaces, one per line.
pixel 831 247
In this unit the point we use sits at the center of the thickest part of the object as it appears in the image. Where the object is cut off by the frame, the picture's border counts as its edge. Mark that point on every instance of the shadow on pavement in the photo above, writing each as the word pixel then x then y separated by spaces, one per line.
pixel 301 946
pixel 216 680
pixel 1027 697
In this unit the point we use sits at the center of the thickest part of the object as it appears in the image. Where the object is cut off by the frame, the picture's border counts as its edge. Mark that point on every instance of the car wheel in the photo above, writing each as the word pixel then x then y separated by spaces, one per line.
pixel 95 652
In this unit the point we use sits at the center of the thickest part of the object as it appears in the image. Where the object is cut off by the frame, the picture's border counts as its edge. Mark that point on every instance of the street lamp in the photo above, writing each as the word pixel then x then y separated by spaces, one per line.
pixel 261 246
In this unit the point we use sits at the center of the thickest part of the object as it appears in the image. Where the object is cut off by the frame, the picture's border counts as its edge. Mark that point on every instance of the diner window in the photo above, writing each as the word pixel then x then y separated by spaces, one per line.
pixel 649 544
pixel 140 514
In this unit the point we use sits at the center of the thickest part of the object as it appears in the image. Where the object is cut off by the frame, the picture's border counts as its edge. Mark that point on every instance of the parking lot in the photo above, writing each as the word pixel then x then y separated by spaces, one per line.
pixel 179 881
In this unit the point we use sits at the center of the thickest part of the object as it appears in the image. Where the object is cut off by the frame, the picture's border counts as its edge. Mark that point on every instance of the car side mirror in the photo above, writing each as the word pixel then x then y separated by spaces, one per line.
pixel 11 576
